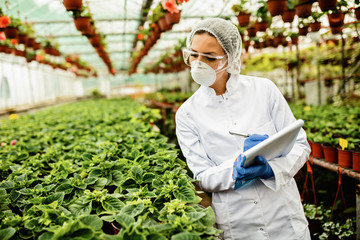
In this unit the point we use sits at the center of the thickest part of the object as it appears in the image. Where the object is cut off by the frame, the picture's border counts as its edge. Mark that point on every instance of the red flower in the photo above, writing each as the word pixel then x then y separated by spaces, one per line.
pixel 14 41
pixel 4 21
pixel 180 1
pixel 170 5
pixel 140 36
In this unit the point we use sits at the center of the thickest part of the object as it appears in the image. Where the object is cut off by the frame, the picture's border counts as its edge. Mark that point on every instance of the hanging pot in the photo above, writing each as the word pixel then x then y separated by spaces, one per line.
pixel 303 31
pixel 336 30
pixel 270 42
pixel 243 19
pixel 172 18
pixel 344 158
pixel 317 150
pixel 330 154
pixel 294 40
pixel 163 25
pixel 356 161
pixel 261 26
pixel 73 5
pixel 251 31
pixel 357 13
pixel 11 32
pixel 30 42
pixel 95 41
pixel 288 16
pixel 22 38
pixel 36 46
pixel 247 45
pixel 336 19
pixel 278 40
pixel 326 5
pixel 82 23
pixel 276 7
pixel 315 27
pixel 303 10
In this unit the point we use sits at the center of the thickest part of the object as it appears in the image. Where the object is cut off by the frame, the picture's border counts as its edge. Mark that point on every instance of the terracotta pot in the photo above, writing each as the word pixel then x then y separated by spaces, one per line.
pixel 36 46
pixel 11 32
pixel 344 158
pixel 326 5
pixel 276 7
pixel 95 41
pixel 247 45
pixel 243 19
pixel 315 27
pixel 303 31
pixel 336 19
pixel 317 150
pixel 22 38
pixel 163 25
pixel 288 16
pixel 7 50
pixel 330 154
pixel 356 161
pixel 336 30
pixel 294 40
pixel 270 42
pixel 303 10
pixel 19 53
pixel 172 18
pixel 73 5
pixel 261 26
pixel 251 31
pixel 278 40
pixel 357 13
pixel 30 42
pixel 82 23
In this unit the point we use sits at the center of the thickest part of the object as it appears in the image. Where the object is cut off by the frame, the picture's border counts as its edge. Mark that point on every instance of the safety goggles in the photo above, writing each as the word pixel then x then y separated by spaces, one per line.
pixel 216 62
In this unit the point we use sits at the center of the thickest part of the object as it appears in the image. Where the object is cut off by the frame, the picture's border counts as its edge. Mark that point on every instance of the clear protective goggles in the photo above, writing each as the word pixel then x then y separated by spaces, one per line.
pixel 214 61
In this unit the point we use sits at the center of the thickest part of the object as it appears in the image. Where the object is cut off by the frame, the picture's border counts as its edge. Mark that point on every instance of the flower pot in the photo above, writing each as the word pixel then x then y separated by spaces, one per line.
pixel 278 40
pixel 294 40
pixel 288 16
pixel 276 7
pixel 163 25
pixel 303 31
pixel 303 10
pixel 356 161
pixel 251 31
pixel 330 154
pixel 326 5
pixel 344 158
pixel 247 45
pixel 11 32
pixel 243 19
pixel 95 41
pixel 36 46
pixel 336 30
pixel 357 13
pixel 261 26
pixel 19 53
pixel 336 19
pixel 172 18
pixel 317 150
pixel 73 5
pixel 30 42
pixel 82 23
pixel 22 38
pixel 315 27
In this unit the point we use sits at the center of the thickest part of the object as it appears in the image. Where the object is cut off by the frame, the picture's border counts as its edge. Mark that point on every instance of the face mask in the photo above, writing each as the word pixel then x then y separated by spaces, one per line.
pixel 202 73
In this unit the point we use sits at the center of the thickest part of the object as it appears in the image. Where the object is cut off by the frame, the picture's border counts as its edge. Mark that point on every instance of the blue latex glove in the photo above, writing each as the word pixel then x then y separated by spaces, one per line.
pixel 260 168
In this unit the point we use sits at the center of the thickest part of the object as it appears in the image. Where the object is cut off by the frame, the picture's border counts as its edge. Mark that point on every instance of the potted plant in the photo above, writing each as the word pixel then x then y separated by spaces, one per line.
pixel 303 10
pixel 12 29
pixel 303 27
pixel 276 7
pixel 329 143
pixel 315 24
pixel 72 5
pixel 289 14
pixel 242 15
pixel 294 37
pixel 172 13
pixel 4 21
pixel 357 9
pixel 264 19
pixel 251 30
pixel 354 147
pixel 326 5
pixel 336 17
pixel 82 19
pixel 279 37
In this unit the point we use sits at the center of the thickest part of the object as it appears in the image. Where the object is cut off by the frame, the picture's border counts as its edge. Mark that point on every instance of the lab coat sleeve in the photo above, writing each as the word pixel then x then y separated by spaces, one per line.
pixel 212 177
pixel 285 168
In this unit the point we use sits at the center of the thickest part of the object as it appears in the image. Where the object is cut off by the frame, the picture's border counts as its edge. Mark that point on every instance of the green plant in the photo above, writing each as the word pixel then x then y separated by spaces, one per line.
pixel 84 12
pixel 240 7
pixel 290 4
pixel 15 22
pixel 315 16
pixel 262 12
pixel 338 231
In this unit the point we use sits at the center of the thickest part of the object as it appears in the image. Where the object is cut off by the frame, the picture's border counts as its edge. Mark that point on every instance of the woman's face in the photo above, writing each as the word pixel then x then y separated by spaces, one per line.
pixel 207 44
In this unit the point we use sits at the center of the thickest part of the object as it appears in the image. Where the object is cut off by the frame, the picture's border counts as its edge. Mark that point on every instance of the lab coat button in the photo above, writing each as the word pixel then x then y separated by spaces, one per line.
pixel 261 229
pixel 255 202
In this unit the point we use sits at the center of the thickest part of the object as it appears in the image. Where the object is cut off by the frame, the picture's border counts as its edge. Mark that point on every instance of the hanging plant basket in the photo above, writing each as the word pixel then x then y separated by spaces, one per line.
pixel 243 19
pixel 36 46
pixel 278 40
pixel 172 18
pixel 276 7
pixel 30 42
pixel 294 40
pixel 95 41
pixel 251 31
pixel 246 45
pixel 326 5
pixel 336 30
pixel 11 32
pixel 163 25
pixel 356 161
pixel 336 19
pixel 82 23
pixel 73 5
pixel 288 16
pixel 270 42
pixel 330 154
pixel 19 53
pixel 261 26
pixel 357 13
pixel 303 10
pixel 344 158
pixel 22 38
pixel 315 27
pixel 303 31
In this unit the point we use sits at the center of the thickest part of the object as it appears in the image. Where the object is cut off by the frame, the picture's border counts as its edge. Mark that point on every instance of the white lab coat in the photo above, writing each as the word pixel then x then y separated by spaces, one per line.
pixel 263 209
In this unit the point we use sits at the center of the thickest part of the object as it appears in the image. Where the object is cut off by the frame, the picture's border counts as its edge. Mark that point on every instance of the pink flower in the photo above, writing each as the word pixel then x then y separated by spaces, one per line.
pixel 170 5
pixel 13 142
pixel 4 21
pixel 2 36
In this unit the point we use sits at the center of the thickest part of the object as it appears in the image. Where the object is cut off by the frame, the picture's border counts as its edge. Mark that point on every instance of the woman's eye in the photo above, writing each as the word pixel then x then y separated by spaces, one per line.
pixel 210 59
pixel 194 55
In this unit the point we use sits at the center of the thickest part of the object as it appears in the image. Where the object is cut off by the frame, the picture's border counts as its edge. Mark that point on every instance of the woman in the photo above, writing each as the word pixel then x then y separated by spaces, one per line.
pixel 268 207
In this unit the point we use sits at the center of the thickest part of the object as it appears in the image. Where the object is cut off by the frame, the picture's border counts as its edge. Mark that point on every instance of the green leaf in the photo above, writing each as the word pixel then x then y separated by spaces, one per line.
pixel 194 216
pixel 148 177
pixel 83 233
pixel 46 236
pixel 112 204
pixel 32 224
pixel 185 236
pixel 117 177
pixel 99 184
pixel 81 207
pixel 124 219
pixel 92 221
pixel 7 233
pixel 209 218
pixel 133 210
pixel 7 185
pixel 90 180
pixel 21 178
pixel 59 197
pixel 185 193
pixel 65 187
pixel 137 173
pixel 86 157
pixel 96 172
pixel 156 236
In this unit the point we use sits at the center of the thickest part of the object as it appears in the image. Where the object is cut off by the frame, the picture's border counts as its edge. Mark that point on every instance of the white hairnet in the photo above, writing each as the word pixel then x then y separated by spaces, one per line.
pixel 227 35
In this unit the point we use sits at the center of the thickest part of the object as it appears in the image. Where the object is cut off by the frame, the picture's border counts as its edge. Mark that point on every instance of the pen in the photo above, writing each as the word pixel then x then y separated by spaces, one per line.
pixel 239 134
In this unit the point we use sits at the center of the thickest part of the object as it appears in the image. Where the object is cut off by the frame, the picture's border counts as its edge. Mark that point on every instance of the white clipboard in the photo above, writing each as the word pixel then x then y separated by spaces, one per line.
pixel 276 145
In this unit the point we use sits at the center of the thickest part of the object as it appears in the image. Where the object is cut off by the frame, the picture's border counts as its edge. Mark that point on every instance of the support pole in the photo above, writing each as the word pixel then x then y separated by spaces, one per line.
pixel 318 72
pixel 343 65
pixel 298 70
pixel 358 212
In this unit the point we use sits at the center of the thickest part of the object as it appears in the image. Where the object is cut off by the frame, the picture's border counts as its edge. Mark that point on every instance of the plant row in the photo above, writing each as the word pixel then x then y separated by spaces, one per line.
pixel 92 169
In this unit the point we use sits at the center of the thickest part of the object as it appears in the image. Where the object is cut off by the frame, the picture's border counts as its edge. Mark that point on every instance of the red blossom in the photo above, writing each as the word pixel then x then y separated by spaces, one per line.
pixel 180 1
pixel 4 21
pixel 140 36
pixel 170 5
pixel 2 36
pixel 14 41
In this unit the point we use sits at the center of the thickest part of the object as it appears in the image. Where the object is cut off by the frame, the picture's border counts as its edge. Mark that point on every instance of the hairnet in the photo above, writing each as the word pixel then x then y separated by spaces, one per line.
pixel 227 35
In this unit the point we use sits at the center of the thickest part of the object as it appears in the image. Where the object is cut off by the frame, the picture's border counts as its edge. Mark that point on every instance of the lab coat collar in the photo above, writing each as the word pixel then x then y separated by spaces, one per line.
pixel 230 88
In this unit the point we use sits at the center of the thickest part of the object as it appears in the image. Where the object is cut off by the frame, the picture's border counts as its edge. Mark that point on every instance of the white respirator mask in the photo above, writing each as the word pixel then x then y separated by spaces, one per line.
pixel 203 74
